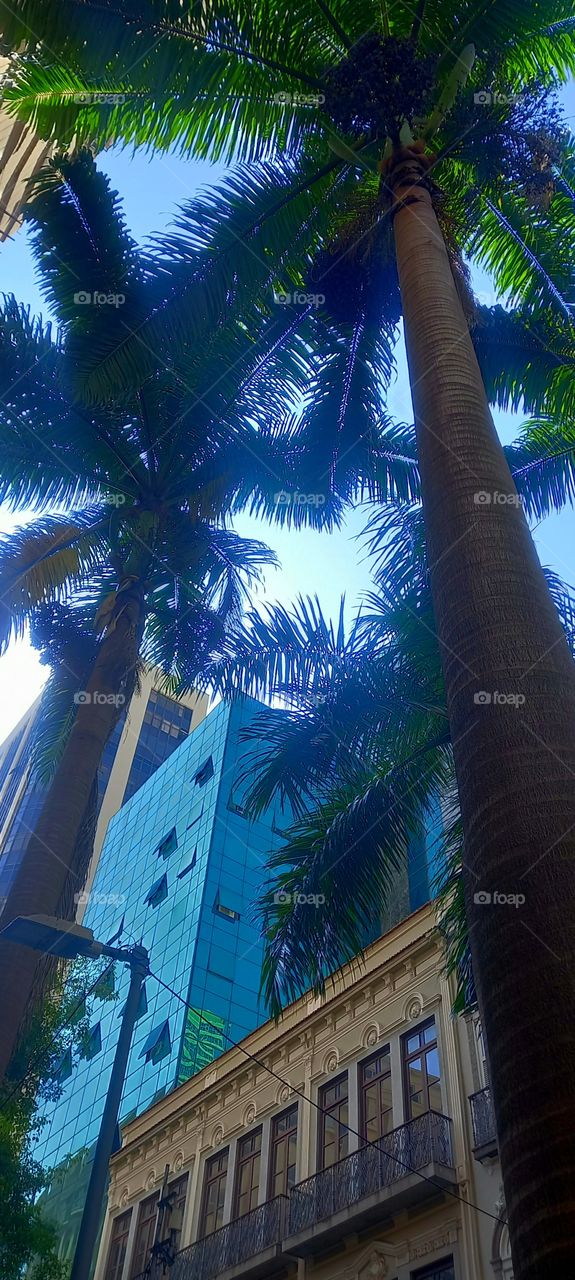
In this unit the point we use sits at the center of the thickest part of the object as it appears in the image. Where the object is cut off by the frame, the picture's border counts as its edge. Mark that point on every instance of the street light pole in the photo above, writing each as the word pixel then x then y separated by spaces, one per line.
pixel 68 939
pixel 138 960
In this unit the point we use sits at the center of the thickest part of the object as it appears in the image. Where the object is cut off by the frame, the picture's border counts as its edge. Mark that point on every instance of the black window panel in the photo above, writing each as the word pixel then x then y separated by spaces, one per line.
pixel 443 1270
pixel 204 773
pixel 92 1042
pixel 168 844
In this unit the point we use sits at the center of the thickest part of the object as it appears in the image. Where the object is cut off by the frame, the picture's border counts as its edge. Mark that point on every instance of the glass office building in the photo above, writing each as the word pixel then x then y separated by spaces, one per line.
pixel 181 870
pixel 147 733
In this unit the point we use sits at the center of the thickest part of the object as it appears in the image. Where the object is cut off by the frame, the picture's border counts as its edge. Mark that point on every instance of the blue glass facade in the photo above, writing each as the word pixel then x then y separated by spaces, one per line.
pixel 181 870
pixel 166 723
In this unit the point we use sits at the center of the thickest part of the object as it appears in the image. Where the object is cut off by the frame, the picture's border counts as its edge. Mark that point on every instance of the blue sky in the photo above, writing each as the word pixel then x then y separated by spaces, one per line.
pixel 326 564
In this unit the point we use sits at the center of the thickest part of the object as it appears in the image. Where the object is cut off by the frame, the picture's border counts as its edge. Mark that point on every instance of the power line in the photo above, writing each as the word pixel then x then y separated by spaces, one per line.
pixel 322 1111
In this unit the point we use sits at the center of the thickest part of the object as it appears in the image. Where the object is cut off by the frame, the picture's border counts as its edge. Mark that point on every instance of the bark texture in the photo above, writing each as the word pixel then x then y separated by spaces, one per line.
pixel 500 634
pixel 45 881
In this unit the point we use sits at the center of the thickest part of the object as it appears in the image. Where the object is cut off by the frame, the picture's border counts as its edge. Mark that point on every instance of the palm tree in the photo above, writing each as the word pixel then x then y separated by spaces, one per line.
pixel 387 166
pixel 361 754
pixel 150 477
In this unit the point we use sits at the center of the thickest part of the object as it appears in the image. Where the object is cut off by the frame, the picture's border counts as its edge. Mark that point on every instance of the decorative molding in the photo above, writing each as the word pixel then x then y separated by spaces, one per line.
pixel 330 1062
pixel 283 1094
pixel 376 1262
pixel 151 1179
pixel 413 1007
pixel 249 1114
pixel 178 1161
pixel 123 1197
pixel 371 1036
pixel 433 1244
pixel 217 1136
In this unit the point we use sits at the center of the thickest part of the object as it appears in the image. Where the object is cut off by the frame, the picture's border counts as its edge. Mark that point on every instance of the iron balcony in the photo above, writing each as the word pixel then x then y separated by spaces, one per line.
pixel 248 1246
pixel 483 1125
pixel 372 1184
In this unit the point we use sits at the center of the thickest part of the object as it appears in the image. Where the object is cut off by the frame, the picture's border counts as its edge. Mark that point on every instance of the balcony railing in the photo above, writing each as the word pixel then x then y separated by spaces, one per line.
pixel 483 1124
pixel 422 1142
pixel 240 1242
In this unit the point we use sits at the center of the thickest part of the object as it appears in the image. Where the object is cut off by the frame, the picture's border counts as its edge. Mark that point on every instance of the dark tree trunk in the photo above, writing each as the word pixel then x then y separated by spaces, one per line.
pixel 500 634
pixel 45 880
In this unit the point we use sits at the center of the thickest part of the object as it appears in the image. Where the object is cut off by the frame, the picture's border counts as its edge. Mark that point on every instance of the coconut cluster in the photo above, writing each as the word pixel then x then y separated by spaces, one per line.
pixel 379 84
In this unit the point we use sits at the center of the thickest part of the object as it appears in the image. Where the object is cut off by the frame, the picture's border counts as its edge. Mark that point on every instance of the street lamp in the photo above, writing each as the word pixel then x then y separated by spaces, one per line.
pixel 63 938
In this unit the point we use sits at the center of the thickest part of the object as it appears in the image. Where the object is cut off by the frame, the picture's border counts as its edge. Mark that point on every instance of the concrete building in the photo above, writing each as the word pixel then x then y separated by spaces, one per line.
pixel 153 726
pixel 339 1144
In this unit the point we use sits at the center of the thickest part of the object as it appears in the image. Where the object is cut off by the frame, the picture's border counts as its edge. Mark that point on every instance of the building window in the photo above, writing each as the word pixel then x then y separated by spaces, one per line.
pixel 212 1213
pixel 376 1114
pixel 168 844
pixel 333 1133
pixel 106 985
pixel 443 1270
pixel 422 1075
pixel 228 913
pixel 283 1153
pixel 248 1165
pixel 118 1246
pixel 190 866
pixel 159 1044
pixel 176 1198
pixel 158 892
pixel 204 774
pixel 118 934
pixel 91 1042
pixel 145 1235
pixel 63 1068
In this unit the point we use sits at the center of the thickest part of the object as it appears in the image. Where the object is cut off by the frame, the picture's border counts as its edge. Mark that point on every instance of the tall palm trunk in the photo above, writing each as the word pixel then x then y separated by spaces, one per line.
pixel 43 880
pixel 499 633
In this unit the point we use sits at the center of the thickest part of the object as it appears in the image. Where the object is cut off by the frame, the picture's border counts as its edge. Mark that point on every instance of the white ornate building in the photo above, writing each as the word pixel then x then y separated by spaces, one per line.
pixel 339 1144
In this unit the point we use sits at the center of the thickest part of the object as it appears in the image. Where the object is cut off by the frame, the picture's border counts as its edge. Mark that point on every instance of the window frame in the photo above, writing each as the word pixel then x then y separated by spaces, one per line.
pixel 239 1163
pixel 206 1183
pixel 364 1085
pixel 117 1273
pixel 420 1052
pixel 137 1264
pixel 323 1114
pixel 276 1142
pixel 430 1271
